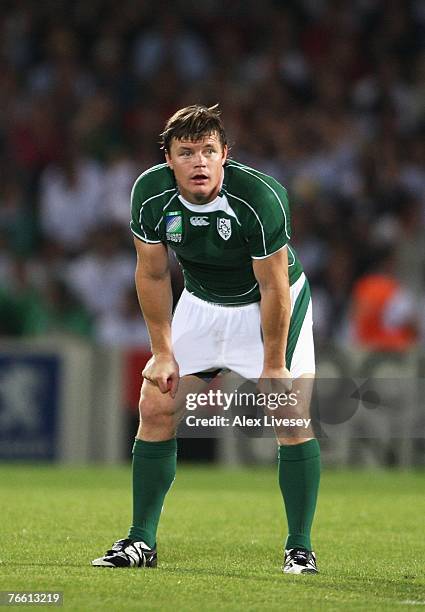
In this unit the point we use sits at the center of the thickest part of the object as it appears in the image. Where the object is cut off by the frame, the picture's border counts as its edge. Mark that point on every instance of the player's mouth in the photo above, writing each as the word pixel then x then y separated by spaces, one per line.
pixel 199 179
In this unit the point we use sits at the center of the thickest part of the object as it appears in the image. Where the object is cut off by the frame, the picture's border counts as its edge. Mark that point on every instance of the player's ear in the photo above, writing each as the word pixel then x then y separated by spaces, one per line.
pixel 225 151
pixel 168 159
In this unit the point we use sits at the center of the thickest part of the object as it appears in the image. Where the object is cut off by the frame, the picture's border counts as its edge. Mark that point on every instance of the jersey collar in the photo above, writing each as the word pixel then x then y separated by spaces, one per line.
pixel 208 207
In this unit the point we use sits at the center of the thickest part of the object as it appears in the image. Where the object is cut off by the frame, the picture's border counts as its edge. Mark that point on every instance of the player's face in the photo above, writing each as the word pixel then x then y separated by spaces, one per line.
pixel 198 167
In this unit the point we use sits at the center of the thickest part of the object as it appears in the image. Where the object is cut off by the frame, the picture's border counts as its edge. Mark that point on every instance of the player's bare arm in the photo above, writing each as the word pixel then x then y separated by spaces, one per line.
pixel 153 285
pixel 272 276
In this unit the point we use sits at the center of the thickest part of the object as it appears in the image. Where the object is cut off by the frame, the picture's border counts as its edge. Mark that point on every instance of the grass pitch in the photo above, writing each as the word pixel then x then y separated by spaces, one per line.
pixel 220 541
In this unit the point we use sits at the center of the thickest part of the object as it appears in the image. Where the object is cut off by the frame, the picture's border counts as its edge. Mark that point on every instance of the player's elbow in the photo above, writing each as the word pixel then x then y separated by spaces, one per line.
pixel 151 273
pixel 274 288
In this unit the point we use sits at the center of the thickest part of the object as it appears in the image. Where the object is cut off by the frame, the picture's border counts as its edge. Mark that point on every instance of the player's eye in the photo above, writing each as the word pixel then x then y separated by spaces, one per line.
pixel 186 153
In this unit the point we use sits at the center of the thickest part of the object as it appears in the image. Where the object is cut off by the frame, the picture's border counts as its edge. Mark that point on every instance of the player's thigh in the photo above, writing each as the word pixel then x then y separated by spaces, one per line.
pixel 292 419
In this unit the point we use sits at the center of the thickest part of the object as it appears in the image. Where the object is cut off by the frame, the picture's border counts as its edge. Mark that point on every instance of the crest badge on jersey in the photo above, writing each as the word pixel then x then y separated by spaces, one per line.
pixel 174 226
pixel 224 227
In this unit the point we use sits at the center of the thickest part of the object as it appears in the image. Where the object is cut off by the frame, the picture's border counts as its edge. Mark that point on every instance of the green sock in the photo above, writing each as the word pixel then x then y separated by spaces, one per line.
pixel 299 476
pixel 154 469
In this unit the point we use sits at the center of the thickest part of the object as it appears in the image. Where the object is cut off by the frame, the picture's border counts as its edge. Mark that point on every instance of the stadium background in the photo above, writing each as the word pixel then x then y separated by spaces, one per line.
pixel 328 97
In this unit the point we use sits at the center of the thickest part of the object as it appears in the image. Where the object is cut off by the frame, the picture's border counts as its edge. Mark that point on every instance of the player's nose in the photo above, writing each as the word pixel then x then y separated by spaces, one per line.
pixel 200 160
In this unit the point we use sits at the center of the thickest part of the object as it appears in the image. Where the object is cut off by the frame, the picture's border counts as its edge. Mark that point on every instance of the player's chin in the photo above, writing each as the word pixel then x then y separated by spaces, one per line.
pixel 201 193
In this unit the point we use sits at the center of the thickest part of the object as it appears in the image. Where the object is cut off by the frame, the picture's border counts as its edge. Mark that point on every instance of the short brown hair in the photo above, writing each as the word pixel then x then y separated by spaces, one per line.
pixel 193 123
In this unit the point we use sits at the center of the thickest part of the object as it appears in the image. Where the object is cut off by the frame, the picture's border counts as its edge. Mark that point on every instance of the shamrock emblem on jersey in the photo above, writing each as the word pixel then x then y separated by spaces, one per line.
pixel 224 228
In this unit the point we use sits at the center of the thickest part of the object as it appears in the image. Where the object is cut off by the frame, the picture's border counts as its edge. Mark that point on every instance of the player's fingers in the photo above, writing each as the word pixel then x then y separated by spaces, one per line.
pixel 146 376
pixel 264 385
pixel 147 368
pixel 174 384
pixel 287 380
pixel 281 385
pixel 288 386
pixel 146 372
pixel 162 383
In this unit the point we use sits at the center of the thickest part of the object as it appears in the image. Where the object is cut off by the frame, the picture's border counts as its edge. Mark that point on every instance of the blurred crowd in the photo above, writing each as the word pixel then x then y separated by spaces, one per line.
pixel 328 96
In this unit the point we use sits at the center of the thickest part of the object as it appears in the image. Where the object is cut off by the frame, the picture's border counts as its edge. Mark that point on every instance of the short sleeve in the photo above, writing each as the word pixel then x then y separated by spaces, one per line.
pixel 269 223
pixel 142 223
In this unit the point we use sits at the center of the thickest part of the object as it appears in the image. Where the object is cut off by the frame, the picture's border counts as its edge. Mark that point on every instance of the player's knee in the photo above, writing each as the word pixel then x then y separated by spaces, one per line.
pixel 154 413
pixel 291 421
pixel 294 410
pixel 297 411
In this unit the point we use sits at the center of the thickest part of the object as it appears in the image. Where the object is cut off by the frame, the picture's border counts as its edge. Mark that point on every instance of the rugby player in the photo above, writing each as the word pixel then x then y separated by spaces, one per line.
pixel 246 307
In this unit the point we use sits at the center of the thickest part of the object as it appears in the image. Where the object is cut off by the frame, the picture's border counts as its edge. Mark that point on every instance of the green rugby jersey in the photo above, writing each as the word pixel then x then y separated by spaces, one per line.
pixel 216 242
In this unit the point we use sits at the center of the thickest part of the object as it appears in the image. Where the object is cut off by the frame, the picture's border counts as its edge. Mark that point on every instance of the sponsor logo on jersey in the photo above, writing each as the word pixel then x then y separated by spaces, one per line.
pixel 224 228
pixel 174 226
pixel 197 221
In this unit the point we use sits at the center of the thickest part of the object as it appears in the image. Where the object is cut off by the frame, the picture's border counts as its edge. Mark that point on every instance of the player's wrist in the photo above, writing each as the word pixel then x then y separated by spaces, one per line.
pixel 275 371
pixel 273 365
pixel 163 354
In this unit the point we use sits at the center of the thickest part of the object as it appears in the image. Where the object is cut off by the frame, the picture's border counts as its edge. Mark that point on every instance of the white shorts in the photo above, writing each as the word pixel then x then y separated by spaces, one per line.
pixel 207 336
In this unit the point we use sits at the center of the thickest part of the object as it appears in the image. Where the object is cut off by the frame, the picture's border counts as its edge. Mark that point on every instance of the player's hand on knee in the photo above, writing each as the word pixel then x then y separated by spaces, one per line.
pixel 275 380
pixel 163 371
